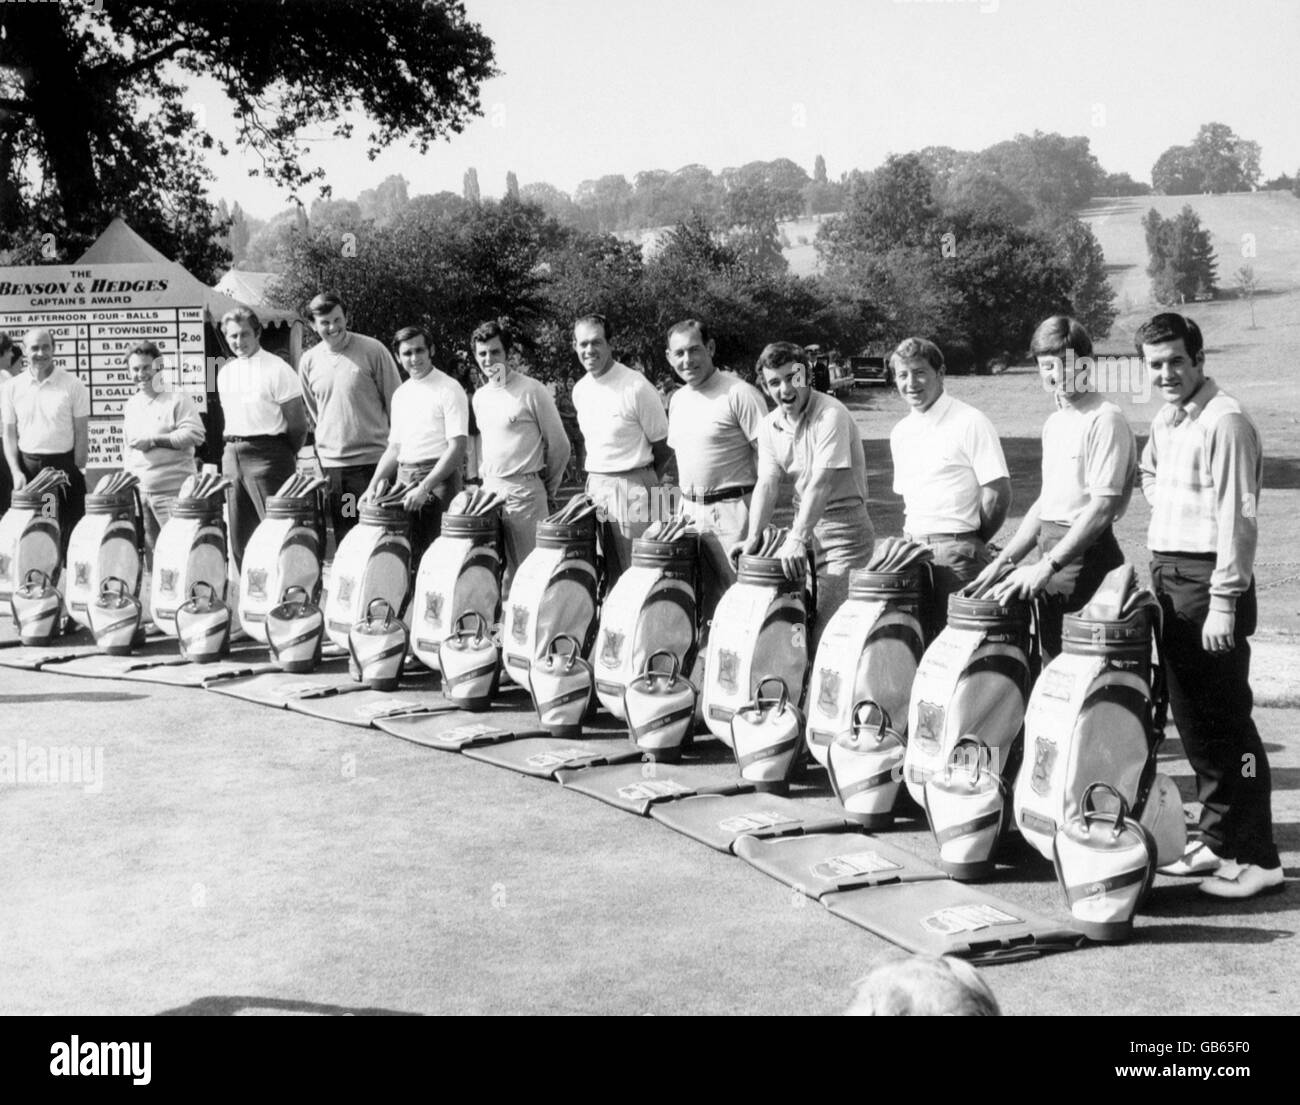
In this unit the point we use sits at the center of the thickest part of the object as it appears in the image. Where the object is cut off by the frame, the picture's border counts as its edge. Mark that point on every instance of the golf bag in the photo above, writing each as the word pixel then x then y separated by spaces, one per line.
pixel 285 551
pixel 1097 715
pixel 191 549
pixel 460 573
pixel 869 650
pixel 29 541
pixel 973 681
pixel 108 543
pixel 373 561
pixel 865 764
pixel 1105 862
pixel 554 594
pixel 650 608
pixel 760 630
pixel 966 805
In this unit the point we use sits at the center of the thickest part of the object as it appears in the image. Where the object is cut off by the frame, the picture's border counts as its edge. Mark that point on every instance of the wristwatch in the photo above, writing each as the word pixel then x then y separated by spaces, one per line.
pixel 1054 564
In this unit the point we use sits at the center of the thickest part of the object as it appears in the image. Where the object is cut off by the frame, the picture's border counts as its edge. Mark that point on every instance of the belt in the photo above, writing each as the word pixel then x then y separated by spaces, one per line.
pixel 253 439
pixel 725 495
pixel 934 538
pixel 1185 555
pixel 625 472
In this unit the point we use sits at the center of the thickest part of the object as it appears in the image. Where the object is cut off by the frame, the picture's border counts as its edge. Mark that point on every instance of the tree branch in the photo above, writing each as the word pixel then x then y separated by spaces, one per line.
pixel 119 73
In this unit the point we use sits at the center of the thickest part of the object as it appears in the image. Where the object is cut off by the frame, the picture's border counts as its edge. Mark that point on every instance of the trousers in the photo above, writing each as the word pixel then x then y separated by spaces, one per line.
pixel 1211 701
pixel 256 468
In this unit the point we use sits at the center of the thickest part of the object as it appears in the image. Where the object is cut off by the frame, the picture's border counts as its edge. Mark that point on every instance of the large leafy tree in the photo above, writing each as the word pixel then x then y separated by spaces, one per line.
pixel 1182 262
pixel 1218 160
pixel 93 117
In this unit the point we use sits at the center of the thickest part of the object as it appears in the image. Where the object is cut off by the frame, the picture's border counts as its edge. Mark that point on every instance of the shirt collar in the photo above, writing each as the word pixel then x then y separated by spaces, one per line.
pixel 1194 404
pixel 935 411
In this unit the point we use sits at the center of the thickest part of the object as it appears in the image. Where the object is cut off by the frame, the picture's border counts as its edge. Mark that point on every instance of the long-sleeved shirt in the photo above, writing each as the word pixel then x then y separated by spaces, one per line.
pixel 522 431
pixel 349 397
pixel 165 414
pixel 1202 471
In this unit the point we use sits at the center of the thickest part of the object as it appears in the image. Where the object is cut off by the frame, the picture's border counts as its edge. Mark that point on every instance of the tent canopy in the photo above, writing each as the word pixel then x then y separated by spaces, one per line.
pixel 119 245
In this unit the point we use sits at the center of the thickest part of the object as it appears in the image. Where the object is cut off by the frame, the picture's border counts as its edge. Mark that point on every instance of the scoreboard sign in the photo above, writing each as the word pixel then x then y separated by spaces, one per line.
pixel 96 315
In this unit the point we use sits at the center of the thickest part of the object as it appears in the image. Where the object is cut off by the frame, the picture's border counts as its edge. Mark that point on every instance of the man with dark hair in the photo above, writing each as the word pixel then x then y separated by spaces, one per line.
pixel 426 441
pixel 949 468
pixel 713 431
pixel 525 448
pixel 626 434
pixel 45 413
pixel 1089 464
pixel 1202 470
pixel 266 425
pixel 162 428
pixel 812 437
pixel 348 381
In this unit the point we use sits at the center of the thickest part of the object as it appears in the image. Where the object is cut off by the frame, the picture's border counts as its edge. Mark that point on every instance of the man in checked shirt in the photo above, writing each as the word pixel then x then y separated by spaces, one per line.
pixel 1201 472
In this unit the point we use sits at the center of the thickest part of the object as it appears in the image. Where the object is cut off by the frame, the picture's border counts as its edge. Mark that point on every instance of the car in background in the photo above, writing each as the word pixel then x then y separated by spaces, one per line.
pixel 829 372
pixel 865 370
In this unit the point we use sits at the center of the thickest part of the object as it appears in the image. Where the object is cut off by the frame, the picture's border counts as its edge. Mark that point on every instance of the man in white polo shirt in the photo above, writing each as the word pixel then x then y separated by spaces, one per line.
pixel 45 412
pixel 811 437
pixel 524 447
pixel 348 381
pixel 626 434
pixel 426 441
pixel 1089 469
pixel 949 468
pixel 713 431
pixel 265 425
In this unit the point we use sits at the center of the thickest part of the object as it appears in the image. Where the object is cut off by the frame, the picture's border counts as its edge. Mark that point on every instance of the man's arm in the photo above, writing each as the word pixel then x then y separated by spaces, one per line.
pixel 1026 582
pixel 662 453
pixel 995 501
pixel 310 405
pixel 1147 466
pixel 1020 545
pixel 384 470
pixel 11 455
pixel 1235 465
pixel 555 441
pixel 812 504
pixel 295 414
pixel 761 509
pixel 81 441
pixel 447 465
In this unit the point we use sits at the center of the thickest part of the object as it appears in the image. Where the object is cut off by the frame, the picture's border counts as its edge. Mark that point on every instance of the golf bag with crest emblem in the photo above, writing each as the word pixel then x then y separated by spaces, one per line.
pixel 869 651
pixel 760 631
pixel 373 561
pixel 285 551
pixel 973 682
pixel 191 549
pixel 554 594
pixel 650 608
pixel 1097 715
pixel 460 573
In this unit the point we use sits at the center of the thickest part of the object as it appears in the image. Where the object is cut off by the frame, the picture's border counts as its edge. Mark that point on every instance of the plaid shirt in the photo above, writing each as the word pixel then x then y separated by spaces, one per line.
pixel 1202 470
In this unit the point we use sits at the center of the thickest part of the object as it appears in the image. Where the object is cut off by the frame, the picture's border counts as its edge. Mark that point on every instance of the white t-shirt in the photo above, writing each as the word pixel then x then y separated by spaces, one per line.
pixel 427 413
pixel 44 410
pixel 712 429
pixel 1085 453
pixel 619 414
pixel 942 458
pixel 252 390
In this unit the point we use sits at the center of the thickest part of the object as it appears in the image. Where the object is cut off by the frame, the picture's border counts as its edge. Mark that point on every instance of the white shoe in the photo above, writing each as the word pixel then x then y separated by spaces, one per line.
pixel 1246 881
pixel 1198 859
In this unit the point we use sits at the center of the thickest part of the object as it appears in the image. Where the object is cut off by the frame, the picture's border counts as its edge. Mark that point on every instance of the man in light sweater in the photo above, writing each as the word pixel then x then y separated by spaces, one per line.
pixel 524 447
pixel 626 434
pixel 162 429
pixel 348 382
pixel 1201 471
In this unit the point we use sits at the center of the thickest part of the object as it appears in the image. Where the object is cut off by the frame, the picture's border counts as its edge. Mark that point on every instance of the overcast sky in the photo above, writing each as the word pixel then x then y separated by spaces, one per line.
pixel 590 87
